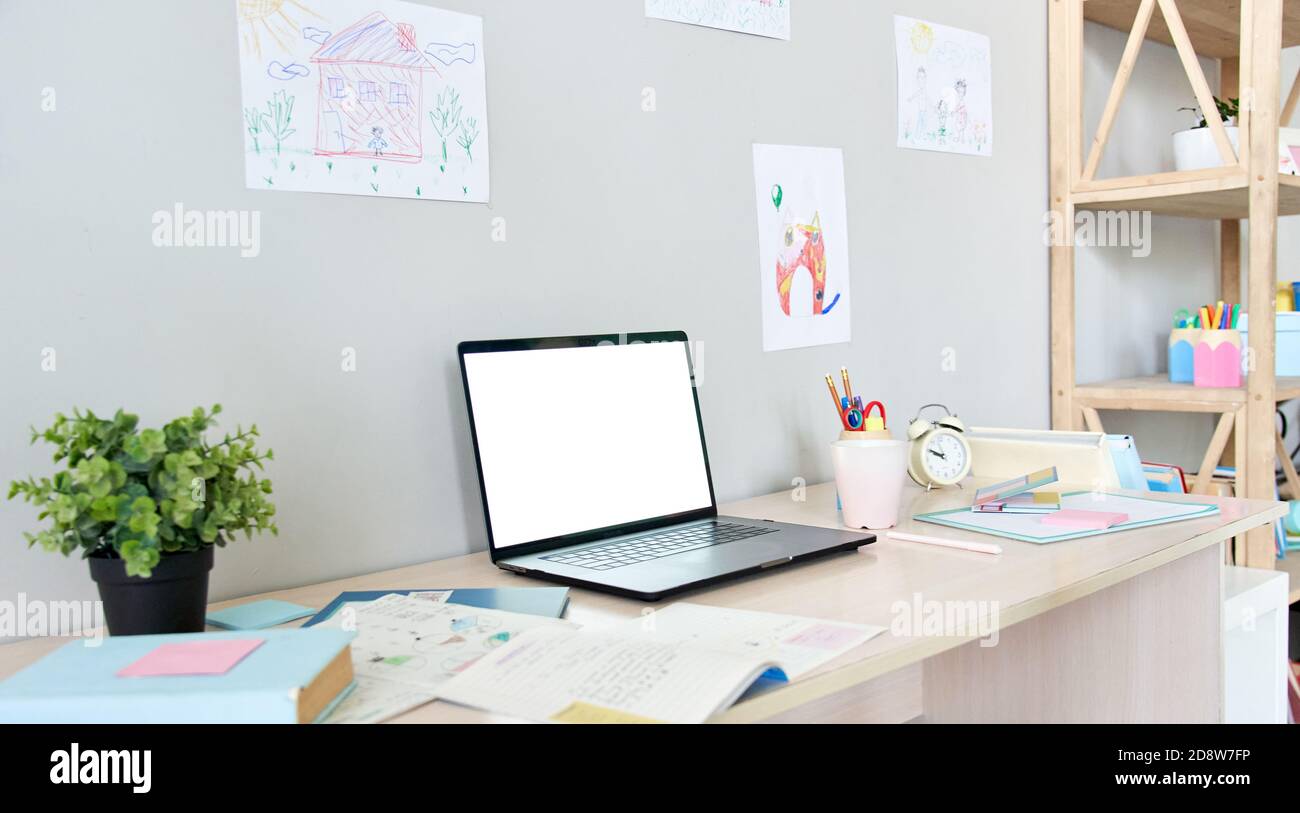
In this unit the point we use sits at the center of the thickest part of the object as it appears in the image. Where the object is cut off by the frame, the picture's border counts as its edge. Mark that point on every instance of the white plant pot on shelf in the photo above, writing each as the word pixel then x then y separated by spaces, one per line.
pixel 1195 149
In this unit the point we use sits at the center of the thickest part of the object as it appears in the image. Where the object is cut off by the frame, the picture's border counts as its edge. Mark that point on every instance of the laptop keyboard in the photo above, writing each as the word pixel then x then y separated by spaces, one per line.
pixel 657 545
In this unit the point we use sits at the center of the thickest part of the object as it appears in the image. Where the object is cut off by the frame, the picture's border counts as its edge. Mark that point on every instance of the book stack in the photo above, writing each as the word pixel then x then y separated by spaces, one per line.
pixel 1018 497
pixel 268 676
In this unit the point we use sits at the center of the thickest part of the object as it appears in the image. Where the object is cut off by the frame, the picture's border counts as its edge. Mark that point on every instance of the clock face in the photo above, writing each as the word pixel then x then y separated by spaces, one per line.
pixel 944 457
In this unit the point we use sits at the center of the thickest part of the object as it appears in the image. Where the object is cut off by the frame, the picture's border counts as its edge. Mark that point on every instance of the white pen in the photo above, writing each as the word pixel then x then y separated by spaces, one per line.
pixel 977 547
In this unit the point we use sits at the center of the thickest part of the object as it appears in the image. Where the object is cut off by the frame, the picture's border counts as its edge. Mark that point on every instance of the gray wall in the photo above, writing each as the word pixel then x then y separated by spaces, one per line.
pixel 373 468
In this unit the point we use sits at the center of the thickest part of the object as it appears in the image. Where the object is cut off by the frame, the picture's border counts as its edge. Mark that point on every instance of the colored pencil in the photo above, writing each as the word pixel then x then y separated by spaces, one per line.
pixel 835 399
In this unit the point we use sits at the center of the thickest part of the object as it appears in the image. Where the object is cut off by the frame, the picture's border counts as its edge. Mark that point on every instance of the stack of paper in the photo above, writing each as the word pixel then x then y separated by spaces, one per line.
pixel 407 646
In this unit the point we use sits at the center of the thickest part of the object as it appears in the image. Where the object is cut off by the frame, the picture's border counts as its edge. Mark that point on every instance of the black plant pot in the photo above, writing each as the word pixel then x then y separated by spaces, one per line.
pixel 173 599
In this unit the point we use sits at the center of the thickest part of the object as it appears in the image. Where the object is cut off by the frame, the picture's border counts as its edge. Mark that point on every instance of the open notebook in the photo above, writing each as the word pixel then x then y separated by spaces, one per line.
pixel 682 664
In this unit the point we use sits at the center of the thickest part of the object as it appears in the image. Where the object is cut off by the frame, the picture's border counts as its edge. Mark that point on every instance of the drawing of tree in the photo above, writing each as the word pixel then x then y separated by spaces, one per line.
pixel 253 121
pixel 278 115
pixel 468 135
pixel 446 118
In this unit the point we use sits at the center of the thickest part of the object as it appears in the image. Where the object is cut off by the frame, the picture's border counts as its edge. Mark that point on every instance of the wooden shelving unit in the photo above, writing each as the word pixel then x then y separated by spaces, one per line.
pixel 1226 198
pixel 1247 37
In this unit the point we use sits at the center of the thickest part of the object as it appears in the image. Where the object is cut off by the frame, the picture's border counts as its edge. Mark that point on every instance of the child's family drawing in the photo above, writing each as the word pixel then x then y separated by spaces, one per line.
pixel 945 88
pixel 381 97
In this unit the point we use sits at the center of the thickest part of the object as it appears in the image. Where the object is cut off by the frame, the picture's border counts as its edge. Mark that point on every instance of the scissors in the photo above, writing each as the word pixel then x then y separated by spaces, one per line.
pixel 851 414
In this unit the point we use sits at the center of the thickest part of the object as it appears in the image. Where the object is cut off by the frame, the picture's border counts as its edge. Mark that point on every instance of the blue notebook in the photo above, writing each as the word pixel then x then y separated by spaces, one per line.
pixel 544 601
pixel 78 683
pixel 258 615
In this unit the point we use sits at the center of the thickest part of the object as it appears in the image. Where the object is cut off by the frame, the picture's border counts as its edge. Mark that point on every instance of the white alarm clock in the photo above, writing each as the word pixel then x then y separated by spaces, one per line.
pixel 940 454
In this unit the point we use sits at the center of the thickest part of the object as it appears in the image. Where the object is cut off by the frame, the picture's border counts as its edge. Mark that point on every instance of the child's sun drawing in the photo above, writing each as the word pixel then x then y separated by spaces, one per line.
pixel 272 18
pixel 922 38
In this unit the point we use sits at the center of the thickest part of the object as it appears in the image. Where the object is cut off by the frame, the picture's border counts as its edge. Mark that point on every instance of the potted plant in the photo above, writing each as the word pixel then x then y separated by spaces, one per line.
pixel 1195 148
pixel 146 507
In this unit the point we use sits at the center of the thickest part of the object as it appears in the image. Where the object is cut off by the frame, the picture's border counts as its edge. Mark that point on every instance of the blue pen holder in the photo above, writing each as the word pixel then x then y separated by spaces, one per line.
pixel 1182 354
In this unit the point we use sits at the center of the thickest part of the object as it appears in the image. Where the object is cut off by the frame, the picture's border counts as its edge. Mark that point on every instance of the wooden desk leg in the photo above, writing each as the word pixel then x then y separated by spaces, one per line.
pixel 1145 650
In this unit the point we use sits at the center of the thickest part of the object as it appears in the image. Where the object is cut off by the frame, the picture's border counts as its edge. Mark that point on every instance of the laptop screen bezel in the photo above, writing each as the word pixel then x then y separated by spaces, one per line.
pixel 595 534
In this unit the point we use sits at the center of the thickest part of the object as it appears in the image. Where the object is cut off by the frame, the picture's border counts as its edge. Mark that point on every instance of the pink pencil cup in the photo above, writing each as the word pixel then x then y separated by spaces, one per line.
pixel 869 475
pixel 1218 359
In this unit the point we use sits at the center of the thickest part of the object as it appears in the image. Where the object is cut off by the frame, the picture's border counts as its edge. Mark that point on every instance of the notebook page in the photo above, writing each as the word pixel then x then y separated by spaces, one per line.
pixel 546 673
pixel 799 645
pixel 407 645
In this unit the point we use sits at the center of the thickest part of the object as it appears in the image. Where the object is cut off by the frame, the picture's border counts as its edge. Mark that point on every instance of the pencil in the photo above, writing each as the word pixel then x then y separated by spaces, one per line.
pixel 835 398
pixel 848 389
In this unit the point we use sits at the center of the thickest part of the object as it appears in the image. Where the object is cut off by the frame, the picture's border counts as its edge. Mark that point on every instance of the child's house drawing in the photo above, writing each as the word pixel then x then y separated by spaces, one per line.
pixel 372 91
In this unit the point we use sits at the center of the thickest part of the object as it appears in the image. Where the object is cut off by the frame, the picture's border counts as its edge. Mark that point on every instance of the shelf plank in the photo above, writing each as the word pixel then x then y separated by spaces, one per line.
pixel 1216 198
pixel 1214 26
pixel 1156 394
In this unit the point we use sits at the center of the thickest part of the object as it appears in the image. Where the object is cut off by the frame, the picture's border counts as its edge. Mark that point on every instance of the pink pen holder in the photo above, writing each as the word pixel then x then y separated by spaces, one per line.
pixel 1218 359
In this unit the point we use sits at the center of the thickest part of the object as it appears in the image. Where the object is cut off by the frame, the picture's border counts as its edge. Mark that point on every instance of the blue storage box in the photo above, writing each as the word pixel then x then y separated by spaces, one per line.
pixel 1288 341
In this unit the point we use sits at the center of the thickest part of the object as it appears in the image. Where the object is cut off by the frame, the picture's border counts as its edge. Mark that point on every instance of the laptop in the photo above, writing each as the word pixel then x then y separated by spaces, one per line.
pixel 593 469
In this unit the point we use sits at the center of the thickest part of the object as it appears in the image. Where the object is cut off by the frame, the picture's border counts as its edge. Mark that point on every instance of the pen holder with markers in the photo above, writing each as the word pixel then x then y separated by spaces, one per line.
pixel 873 426
pixel 1182 354
pixel 1217 359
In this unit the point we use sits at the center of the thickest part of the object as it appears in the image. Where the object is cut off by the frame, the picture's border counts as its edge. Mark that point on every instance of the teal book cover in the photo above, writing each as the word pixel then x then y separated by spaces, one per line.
pixel 545 601
pixel 80 681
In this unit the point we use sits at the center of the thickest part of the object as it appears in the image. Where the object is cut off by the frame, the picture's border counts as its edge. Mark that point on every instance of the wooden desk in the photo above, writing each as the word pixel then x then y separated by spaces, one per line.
pixel 1121 627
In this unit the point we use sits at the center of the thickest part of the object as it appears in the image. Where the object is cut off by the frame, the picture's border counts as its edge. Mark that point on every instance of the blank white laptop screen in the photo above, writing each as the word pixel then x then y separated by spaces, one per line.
pixel 578 438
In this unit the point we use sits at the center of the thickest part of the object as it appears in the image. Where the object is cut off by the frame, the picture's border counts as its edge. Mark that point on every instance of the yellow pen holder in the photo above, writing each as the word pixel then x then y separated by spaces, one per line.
pixel 1285 300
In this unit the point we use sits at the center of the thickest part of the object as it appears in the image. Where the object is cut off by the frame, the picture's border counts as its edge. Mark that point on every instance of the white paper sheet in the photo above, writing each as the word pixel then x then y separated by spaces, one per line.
pixel 765 18
pixel 563 675
pixel 1030 527
pixel 407 646
pixel 363 97
pixel 373 701
pixel 803 246
pixel 436 596
pixel 799 645
pixel 945 88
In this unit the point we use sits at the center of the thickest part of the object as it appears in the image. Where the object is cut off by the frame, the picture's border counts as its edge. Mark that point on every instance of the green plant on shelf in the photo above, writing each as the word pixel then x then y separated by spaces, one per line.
pixel 1228 110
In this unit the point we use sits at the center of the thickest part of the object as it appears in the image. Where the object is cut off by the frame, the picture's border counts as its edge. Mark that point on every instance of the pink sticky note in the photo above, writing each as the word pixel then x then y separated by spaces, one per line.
pixel 825 636
pixel 215 657
pixel 1084 520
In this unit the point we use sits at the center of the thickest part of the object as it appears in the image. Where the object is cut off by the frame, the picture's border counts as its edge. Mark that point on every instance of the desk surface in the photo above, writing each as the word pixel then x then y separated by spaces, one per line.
pixel 1026 580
